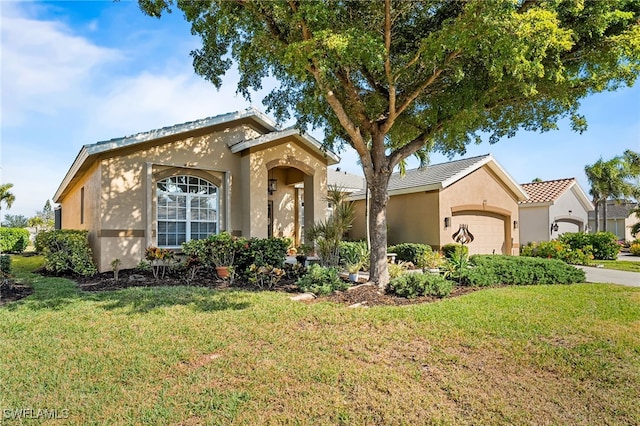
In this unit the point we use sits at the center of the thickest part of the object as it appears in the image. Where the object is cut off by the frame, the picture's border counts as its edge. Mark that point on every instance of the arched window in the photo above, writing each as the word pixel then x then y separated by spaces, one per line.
pixel 187 210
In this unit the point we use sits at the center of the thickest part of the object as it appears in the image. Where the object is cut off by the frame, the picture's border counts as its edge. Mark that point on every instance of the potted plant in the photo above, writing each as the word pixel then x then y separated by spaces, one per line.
pixel 223 251
pixel 353 269
pixel 432 261
pixel 302 252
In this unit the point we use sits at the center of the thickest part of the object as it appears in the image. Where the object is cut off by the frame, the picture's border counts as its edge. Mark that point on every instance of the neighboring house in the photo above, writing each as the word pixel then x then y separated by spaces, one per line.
pixel 553 208
pixel 348 182
pixel 236 172
pixel 428 205
pixel 620 218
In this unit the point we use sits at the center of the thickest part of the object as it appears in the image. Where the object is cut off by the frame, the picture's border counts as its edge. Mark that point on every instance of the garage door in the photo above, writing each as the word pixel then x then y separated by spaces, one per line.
pixel 487 229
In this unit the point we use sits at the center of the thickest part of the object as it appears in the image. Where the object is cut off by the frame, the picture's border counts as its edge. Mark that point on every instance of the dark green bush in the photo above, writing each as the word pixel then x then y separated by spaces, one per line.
pixel 5 264
pixel 13 240
pixel 67 251
pixel 261 252
pixel 518 270
pixel 245 252
pixel 448 250
pixel 603 245
pixel 321 280
pixel 418 284
pixel 410 252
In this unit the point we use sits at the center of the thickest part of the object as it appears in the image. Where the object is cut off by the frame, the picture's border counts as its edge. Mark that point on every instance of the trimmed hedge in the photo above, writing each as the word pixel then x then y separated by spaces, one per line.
pixel 13 240
pixel 418 284
pixel 410 252
pixel 66 251
pixel 515 270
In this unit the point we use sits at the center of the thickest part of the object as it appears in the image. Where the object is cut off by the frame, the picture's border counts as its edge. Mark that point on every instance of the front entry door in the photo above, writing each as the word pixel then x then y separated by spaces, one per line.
pixel 270 219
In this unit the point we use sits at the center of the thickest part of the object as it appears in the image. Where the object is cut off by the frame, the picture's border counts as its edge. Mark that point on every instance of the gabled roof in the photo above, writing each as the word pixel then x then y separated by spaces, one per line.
pixel 439 176
pixel 548 192
pixel 252 116
pixel 305 138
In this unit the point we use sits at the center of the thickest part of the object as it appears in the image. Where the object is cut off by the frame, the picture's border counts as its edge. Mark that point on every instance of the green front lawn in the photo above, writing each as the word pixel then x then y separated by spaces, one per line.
pixel 619 265
pixel 186 355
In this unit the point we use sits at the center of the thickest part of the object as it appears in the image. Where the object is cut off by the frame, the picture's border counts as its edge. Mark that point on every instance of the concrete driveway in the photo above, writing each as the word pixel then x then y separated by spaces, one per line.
pixel 601 275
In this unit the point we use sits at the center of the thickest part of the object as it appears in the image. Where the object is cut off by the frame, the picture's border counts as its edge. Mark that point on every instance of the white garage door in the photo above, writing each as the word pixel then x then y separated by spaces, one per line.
pixel 487 229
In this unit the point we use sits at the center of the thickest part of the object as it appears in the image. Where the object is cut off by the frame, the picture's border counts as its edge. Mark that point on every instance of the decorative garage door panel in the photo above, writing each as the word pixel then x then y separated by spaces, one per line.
pixel 487 229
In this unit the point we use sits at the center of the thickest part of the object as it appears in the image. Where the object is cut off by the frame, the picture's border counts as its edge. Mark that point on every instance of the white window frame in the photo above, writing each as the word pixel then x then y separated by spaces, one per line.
pixel 189 196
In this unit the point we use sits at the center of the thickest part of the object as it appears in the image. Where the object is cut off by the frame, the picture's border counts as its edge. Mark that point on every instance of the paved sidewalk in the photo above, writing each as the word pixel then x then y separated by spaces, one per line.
pixel 601 275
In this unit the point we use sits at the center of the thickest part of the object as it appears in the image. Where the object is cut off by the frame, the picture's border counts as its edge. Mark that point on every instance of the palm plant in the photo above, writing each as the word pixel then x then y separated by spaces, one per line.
pixel 327 234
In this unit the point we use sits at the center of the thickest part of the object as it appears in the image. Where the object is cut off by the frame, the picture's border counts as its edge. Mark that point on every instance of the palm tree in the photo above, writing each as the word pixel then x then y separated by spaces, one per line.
pixel 6 196
pixel 611 180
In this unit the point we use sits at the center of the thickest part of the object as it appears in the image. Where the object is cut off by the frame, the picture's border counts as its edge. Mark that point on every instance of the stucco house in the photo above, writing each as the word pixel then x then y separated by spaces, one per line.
pixel 620 218
pixel 553 208
pixel 237 172
pixel 428 205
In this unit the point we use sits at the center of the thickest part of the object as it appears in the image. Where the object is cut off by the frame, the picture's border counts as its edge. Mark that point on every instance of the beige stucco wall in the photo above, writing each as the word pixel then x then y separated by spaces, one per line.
pixel 419 217
pixel 481 191
pixel 120 191
pixel 71 206
pixel 256 167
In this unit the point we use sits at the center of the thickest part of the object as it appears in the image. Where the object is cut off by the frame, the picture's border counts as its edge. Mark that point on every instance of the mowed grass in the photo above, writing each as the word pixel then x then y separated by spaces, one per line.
pixel 184 355
pixel 619 265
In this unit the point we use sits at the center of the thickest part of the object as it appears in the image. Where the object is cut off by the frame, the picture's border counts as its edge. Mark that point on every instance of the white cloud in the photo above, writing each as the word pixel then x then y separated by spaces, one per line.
pixel 45 66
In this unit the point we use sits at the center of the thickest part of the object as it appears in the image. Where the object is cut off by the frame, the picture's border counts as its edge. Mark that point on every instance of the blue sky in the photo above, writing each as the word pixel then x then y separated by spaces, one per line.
pixel 75 73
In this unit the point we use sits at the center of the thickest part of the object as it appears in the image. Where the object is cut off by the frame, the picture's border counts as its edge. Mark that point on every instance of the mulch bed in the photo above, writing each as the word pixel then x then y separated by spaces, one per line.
pixel 366 294
pixel 10 292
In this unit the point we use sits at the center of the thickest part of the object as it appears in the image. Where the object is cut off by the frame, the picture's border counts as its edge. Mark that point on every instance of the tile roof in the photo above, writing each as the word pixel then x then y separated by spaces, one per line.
pixel 547 191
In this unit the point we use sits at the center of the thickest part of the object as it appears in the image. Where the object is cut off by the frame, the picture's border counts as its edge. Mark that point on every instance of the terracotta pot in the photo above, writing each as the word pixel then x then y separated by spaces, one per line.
pixel 222 271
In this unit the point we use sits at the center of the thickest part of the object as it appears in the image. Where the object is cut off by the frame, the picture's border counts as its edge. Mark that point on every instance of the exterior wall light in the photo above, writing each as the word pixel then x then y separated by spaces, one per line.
pixel 515 224
pixel 447 222
pixel 272 186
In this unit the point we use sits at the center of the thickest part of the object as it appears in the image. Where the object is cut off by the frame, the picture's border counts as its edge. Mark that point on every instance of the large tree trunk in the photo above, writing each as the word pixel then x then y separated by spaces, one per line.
pixel 378 271
pixel 595 213
pixel 604 215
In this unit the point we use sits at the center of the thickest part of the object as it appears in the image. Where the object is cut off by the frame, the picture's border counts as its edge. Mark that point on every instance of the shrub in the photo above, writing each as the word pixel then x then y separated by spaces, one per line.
pixel 321 280
pixel 410 252
pixel 451 249
pixel 5 264
pixel 605 245
pixel 634 249
pixel 431 260
pixel 515 270
pixel 159 259
pixel 67 251
pixel 397 269
pixel 13 240
pixel 419 284
pixel 270 251
pixel 265 277
pixel 354 252
pixel 556 249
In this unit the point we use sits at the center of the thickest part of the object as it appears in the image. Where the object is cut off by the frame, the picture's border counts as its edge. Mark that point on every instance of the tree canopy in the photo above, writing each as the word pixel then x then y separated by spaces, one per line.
pixel 399 78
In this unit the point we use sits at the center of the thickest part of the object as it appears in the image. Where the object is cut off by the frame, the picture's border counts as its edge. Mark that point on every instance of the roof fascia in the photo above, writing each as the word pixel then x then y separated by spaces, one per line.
pixel 81 158
pixel 306 139
pixel 582 196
